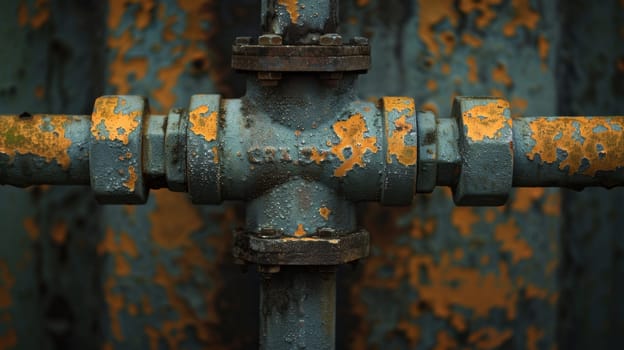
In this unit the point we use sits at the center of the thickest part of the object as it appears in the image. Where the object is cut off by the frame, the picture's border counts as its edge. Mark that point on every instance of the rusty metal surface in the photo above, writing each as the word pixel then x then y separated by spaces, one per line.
pixel 476 250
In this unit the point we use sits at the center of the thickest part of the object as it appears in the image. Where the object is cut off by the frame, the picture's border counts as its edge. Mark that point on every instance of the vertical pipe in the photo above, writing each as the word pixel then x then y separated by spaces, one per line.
pixel 299 21
pixel 298 308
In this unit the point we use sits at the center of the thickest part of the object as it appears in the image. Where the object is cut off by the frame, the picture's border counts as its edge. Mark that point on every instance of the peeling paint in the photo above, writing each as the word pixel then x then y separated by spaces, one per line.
pixel 203 125
pixel 325 212
pixel 507 234
pixel 405 154
pixel 430 14
pixel 174 220
pixel 524 17
pixel 352 137
pixel 40 135
pixel 485 9
pixel 300 231
pixel 292 7
pixel 595 140
pixel 110 122
pixel 463 218
pixel 486 120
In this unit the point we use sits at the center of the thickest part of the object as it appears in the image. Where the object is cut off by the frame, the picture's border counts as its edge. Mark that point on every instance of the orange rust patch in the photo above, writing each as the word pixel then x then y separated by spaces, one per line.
pixel 292 7
pixel 463 218
pixel 317 156
pixel 448 38
pixel 422 229
pixel 430 14
pixel 8 340
pixel 472 40
pixel 430 106
pixel 486 120
pixel 487 13
pixel 500 75
pixel 325 212
pixel 38 19
pixel 297 132
pixel 405 154
pixel 432 85
pixel 351 133
pixel 32 230
pixel 552 204
pixel 40 135
pixel 59 233
pixel 215 155
pixel 204 126
pixel 6 283
pixel 603 140
pixel 450 285
pixel 533 292
pixel 525 197
pixel 39 92
pixel 363 3
pixel 444 341
pixel 132 178
pixel 489 338
pixel 300 231
pixel 518 106
pixel 524 17
pixel 620 64
pixel 115 303
pixel 411 332
pixel 174 220
pixel 122 68
pixel 507 234
pixel 446 69
pixel 473 74
pixel 543 47
pixel 533 336
pixel 108 124
pixel 122 267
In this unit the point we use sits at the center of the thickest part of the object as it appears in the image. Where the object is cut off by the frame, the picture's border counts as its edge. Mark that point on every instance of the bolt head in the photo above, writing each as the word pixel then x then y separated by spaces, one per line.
pixel 360 41
pixel 270 40
pixel 331 39
pixel 242 40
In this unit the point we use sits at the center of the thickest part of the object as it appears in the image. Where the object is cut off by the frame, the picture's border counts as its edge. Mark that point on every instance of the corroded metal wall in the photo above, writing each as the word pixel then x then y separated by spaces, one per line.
pixel 77 275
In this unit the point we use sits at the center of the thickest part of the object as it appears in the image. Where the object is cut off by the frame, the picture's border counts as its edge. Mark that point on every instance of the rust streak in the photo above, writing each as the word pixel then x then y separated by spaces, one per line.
pixel 40 135
pixel 202 125
pixel 486 120
pixel 592 144
pixel 352 137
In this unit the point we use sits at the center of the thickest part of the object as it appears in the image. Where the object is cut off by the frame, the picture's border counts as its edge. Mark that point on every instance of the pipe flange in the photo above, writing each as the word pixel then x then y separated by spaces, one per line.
pixel 486 149
pixel 401 133
pixel 115 150
pixel 275 249
pixel 273 57
pixel 202 150
pixel 427 152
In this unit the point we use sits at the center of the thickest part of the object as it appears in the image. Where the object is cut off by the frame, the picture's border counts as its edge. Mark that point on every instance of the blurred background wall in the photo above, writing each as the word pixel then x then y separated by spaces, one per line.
pixel 543 272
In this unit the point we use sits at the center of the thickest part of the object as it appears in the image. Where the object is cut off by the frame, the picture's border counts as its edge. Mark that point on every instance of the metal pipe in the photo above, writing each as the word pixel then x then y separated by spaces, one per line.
pixel 299 21
pixel 44 149
pixel 298 308
pixel 573 152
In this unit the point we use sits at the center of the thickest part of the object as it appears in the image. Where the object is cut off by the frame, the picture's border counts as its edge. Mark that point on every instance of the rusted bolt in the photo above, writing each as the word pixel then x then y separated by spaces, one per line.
pixel 242 40
pixel 360 41
pixel 270 40
pixel 269 233
pixel 268 268
pixel 331 39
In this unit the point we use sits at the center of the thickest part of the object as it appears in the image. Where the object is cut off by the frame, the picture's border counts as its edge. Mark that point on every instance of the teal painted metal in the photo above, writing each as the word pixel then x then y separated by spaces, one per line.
pixel 445 237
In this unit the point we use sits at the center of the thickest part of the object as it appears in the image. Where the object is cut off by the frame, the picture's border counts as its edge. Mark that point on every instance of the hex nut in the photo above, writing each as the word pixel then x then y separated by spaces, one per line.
pixel 486 149
pixel 270 40
pixel 331 39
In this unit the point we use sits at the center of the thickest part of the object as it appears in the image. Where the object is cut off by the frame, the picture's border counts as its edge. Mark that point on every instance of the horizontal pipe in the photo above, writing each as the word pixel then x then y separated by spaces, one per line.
pixel 573 152
pixel 44 149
